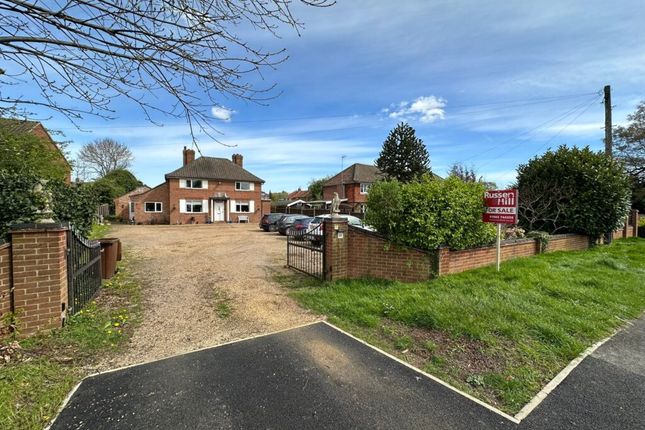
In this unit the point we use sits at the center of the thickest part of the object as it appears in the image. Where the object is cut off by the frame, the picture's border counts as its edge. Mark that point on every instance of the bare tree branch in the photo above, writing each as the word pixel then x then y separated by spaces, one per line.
pixel 81 55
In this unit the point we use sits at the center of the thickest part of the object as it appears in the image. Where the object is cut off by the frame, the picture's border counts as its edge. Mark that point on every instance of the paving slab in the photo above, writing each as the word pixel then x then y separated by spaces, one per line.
pixel 310 377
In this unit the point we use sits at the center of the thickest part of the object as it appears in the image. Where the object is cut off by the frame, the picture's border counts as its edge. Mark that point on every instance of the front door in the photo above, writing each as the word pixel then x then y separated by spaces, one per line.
pixel 218 211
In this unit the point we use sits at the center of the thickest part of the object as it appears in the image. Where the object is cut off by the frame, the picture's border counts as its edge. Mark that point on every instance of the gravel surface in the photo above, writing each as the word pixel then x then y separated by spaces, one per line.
pixel 204 285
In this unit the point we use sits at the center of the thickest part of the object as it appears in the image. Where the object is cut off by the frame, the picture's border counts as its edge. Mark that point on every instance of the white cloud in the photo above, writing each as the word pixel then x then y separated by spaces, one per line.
pixel 426 109
pixel 220 112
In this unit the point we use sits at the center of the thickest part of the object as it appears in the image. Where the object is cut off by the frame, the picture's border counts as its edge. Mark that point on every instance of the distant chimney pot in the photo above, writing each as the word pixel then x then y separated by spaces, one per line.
pixel 189 155
pixel 238 159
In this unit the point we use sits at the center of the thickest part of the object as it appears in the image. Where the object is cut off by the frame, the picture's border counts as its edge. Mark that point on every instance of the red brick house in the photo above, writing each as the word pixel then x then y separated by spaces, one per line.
pixel 203 190
pixel 123 205
pixel 35 128
pixel 352 184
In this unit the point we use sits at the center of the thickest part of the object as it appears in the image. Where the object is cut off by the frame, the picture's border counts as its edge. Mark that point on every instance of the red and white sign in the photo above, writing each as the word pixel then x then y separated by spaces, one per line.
pixel 501 206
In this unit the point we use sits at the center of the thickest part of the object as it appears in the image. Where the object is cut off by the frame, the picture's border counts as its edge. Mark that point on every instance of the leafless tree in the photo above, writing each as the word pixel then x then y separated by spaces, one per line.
pixel 82 54
pixel 103 156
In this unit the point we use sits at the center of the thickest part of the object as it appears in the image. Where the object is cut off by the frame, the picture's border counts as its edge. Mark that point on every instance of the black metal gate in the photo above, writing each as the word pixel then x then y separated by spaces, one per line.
pixel 83 270
pixel 305 251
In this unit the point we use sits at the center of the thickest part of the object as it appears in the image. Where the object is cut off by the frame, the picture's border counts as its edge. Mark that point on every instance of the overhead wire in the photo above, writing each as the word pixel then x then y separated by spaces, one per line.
pixel 555 119
pixel 581 112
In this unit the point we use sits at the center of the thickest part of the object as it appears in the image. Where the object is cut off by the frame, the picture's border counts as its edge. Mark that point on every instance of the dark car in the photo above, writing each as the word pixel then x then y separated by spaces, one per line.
pixel 269 221
pixel 287 221
pixel 300 227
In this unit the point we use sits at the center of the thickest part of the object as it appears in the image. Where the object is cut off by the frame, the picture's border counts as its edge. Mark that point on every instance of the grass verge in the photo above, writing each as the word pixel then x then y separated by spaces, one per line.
pixel 498 336
pixel 37 373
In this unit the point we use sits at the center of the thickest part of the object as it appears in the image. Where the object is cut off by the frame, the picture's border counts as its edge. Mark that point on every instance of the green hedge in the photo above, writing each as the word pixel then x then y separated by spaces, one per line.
pixel 430 213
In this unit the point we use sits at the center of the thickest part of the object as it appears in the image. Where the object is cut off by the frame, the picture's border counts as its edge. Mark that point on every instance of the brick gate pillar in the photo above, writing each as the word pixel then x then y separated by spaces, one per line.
pixel 335 249
pixel 39 269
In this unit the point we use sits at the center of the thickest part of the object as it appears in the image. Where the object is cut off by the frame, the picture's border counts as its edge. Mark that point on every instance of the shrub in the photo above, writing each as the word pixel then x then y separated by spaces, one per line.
pixel 429 213
pixel 75 204
pixel 18 201
pixel 573 190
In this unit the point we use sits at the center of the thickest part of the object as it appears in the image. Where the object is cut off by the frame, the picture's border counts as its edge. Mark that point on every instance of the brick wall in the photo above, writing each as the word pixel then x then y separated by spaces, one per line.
pixel 39 271
pixel 372 256
pixel 468 259
pixel 568 242
pixel 360 254
pixel 266 207
pixel 5 285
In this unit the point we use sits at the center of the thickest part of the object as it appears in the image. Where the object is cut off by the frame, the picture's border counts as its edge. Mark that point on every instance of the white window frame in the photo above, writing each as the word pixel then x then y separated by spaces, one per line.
pixel 156 204
pixel 238 186
pixel 365 187
pixel 189 206
pixel 189 183
pixel 239 204
pixel 131 207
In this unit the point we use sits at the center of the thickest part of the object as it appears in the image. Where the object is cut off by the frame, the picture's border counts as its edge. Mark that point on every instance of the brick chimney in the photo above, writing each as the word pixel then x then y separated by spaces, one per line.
pixel 238 159
pixel 189 155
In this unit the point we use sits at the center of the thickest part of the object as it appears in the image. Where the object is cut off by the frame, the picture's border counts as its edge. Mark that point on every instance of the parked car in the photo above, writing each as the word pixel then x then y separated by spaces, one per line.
pixel 269 221
pixel 314 234
pixel 299 228
pixel 287 221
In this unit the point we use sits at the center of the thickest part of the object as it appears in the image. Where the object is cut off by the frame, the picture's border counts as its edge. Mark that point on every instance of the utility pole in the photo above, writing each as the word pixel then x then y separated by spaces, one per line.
pixel 608 139
pixel 608 136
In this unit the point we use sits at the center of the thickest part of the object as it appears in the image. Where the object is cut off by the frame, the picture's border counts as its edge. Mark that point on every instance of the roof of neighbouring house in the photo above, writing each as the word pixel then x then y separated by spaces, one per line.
pixel 298 194
pixel 17 126
pixel 135 192
pixel 214 168
pixel 23 126
pixel 356 173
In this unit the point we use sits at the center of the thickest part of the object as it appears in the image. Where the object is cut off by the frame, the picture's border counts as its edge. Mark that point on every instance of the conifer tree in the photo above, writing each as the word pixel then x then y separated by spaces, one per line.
pixel 404 156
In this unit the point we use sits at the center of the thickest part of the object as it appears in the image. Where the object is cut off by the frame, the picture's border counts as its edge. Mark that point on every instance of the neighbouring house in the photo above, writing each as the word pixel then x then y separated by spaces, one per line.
pixel 299 194
pixel 352 184
pixel 203 190
pixel 35 128
pixel 124 206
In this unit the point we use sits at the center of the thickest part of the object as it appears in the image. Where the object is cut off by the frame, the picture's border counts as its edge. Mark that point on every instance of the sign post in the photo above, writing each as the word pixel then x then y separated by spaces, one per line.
pixel 501 208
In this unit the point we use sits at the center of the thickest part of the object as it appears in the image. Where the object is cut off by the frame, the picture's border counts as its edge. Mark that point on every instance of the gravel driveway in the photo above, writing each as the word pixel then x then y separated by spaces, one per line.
pixel 203 285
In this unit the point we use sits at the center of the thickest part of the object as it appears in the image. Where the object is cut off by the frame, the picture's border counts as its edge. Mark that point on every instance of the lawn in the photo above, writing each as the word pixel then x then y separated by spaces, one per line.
pixel 498 336
pixel 37 373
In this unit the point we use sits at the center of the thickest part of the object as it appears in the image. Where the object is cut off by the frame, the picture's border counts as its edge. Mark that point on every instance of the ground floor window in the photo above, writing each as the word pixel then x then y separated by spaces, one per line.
pixel 194 206
pixel 242 207
pixel 153 207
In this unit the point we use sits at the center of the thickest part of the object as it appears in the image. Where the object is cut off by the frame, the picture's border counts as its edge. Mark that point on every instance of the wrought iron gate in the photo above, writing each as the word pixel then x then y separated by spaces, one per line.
pixel 305 251
pixel 83 270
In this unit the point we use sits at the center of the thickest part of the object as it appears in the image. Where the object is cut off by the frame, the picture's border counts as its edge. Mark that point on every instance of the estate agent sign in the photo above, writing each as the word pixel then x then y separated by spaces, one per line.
pixel 501 206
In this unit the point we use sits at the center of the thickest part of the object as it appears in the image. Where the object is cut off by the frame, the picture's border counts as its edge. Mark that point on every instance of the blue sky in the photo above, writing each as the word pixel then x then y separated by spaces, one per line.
pixel 487 83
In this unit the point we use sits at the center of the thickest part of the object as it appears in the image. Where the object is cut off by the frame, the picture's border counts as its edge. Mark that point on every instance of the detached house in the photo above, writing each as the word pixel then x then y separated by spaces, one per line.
pixel 352 184
pixel 203 190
